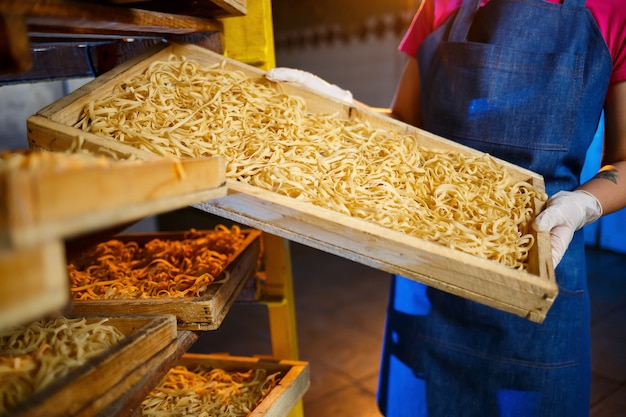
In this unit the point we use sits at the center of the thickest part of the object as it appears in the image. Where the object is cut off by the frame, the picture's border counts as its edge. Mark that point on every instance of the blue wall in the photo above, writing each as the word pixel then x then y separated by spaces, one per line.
pixel 606 233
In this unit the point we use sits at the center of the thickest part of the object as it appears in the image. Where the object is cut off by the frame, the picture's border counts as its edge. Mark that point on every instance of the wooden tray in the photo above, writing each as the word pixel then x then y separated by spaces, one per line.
pixel 525 293
pixel 200 8
pixel 34 283
pixel 192 313
pixel 281 400
pixel 93 387
pixel 46 204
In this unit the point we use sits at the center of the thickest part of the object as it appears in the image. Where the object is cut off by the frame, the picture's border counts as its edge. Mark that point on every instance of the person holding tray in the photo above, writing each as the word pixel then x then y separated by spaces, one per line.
pixel 525 81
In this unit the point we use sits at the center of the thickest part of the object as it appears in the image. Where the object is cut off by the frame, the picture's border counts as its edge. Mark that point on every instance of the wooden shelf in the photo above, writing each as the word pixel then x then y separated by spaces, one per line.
pixel 56 203
pixel 38 38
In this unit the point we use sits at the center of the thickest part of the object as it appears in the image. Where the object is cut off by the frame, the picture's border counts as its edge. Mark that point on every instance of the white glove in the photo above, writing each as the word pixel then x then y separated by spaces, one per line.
pixel 309 80
pixel 566 212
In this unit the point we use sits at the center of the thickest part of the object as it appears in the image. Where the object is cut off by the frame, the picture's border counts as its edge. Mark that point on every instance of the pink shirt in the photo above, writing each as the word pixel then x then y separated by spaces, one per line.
pixel 609 14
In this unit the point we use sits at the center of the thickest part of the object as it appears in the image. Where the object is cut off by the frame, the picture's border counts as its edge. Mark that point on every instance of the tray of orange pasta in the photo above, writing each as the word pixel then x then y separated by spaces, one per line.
pixel 324 173
pixel 194 275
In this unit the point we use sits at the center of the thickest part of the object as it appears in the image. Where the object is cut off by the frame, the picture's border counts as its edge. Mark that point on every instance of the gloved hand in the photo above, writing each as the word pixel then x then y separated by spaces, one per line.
pixel 566 212
pixel 309 80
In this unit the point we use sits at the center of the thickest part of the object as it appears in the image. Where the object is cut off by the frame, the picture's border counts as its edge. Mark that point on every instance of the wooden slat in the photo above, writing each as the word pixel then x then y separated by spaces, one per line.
pixel 14 51
pixel 522 293
pixel 77 55
pixel 94 17
pixel 34 283
pixel 66 56
pixel 57 204
pixel 152 371
pixel 201 8
pixel 58 18
pixel 63 62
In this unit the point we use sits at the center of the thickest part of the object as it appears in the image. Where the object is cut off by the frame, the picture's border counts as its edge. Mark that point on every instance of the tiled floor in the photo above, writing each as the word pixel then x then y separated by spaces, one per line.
pixel 340 313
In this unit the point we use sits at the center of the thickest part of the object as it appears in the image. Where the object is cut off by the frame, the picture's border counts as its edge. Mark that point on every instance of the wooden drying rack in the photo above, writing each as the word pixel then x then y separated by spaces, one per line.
pixel 52 39
pixel 44 40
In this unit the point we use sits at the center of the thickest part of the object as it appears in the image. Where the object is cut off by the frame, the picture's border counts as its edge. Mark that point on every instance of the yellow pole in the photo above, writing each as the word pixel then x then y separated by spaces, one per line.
pixel 250 38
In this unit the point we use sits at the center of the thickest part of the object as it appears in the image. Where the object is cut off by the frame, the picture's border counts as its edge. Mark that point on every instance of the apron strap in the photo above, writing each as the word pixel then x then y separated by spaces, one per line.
pixel 574 3
pixel 463 21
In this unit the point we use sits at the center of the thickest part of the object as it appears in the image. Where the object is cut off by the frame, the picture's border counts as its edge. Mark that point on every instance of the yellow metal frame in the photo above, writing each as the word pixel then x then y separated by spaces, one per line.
pixel 250 39
pixel 276 292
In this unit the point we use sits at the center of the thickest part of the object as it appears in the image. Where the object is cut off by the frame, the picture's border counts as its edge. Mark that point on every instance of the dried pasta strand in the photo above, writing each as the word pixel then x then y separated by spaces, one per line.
pixel 161 268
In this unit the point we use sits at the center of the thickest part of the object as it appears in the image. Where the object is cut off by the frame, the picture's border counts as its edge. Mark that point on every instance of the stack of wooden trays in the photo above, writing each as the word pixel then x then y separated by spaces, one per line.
pixel 45 207
pixel 63 197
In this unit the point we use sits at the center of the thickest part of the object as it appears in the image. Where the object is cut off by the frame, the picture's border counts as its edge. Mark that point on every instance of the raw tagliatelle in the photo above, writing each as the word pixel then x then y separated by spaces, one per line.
pixel 270 140
pixel 117 269
pixel 33 356
pixel 208 392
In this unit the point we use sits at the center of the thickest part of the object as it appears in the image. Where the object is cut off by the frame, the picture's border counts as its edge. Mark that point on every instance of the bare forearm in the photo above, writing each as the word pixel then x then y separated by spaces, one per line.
pixel 609 187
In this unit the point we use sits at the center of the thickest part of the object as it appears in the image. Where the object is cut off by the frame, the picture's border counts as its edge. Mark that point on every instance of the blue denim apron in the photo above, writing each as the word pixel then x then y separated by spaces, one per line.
pixel 523 80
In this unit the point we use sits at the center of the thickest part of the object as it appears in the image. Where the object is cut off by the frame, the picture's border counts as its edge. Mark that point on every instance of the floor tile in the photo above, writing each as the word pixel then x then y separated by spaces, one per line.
pixel 340 312
pixel 609 346
pixel 605 298
pixel 348 402
pixel 613 406
pixel 602 388
pixel 325 381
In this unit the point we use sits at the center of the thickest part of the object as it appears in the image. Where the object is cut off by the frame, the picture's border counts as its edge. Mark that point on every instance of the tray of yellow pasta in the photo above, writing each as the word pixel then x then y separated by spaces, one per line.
pixel 221 385
pixel 79 366
pixel 319 171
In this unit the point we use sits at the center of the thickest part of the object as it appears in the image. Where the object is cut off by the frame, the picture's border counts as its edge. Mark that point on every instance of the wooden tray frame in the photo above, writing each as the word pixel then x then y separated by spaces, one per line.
pixel 34 283
pixel 192 313
pixel 294 382
pixel 528 293
pixel 91 388
pixel 62 203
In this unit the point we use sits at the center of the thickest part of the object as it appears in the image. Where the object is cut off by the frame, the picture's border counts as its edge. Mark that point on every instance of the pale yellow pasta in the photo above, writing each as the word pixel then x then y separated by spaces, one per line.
pixel 35 355
pixel 271 141
pixel 210 392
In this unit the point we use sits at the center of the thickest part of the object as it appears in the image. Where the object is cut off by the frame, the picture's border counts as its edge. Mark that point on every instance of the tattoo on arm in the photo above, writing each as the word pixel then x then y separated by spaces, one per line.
pixel 608 173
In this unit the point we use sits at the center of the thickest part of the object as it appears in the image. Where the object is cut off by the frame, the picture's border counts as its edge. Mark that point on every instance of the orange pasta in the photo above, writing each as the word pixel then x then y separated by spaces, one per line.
pixel 160 268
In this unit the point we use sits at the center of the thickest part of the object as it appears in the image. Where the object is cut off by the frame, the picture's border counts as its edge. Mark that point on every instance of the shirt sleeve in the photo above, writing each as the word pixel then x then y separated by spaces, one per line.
pixel 430 15
pixel 421 26
pixel 611 18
